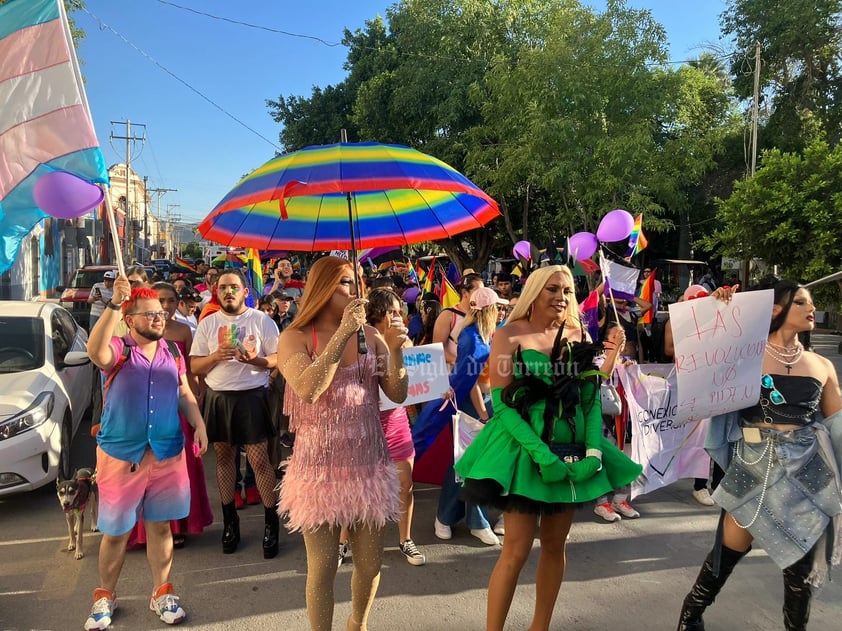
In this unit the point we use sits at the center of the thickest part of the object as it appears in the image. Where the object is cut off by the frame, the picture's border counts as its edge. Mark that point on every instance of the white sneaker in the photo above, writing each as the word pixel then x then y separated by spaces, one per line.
pixel 625 509
pixel 499 528
pixel 442 531
pixel 605 511
pixel 702 496
pixel 486 535
pixel 344 553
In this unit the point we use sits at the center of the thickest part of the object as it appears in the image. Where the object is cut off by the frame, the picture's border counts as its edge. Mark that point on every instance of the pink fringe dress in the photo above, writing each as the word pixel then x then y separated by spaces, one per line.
pixel 340 472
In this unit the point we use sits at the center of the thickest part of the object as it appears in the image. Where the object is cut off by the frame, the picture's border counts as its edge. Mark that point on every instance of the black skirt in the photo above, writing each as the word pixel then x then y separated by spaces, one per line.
pixel 488 493
pixel 237 417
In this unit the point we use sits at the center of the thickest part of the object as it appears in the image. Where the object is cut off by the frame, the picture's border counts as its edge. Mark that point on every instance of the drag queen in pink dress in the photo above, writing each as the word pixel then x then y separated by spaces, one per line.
pixel 340 473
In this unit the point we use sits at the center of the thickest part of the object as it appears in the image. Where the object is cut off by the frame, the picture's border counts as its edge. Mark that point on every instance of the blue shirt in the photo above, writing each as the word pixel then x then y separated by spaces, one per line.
pixel 141 405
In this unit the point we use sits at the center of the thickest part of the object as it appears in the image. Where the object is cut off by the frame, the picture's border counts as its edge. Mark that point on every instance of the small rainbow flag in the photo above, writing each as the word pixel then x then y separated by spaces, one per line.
pixel 448 296
pixel 254 271
pixel 647 293
pixel 184 265
pixel 637 240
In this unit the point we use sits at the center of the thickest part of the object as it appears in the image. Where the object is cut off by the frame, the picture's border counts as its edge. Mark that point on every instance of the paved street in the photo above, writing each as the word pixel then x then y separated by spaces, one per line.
pixel 630 575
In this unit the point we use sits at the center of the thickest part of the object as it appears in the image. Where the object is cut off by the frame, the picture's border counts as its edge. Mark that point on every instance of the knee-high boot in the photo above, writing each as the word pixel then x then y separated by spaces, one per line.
pixel 797 594
pixel 230 528
pixel 270 533
pixel 706 588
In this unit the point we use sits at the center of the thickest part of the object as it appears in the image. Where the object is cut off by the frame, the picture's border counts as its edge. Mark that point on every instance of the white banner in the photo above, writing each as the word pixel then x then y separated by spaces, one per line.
pixel 666 450
pixel 622 278
pixel 427 372
pixel 719 352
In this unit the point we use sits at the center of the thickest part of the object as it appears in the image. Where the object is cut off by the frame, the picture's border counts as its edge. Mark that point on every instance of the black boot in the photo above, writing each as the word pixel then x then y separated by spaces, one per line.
pixel 270 533
pixel 797 594
pixel 706 588
pixel 230 528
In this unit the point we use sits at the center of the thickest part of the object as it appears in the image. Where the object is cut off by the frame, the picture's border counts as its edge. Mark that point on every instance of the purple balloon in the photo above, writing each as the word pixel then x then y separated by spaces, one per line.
pixel 583 245
pixel 410 295
pixel 615 226
pixel 522 250
pixel 65 196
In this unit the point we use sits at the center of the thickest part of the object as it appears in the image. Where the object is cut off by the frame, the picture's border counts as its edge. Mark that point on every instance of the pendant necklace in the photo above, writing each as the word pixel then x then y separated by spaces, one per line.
pixel 788 356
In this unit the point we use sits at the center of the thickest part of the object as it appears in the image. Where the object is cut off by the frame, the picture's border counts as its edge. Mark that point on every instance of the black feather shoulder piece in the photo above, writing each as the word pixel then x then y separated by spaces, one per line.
pixel 570 363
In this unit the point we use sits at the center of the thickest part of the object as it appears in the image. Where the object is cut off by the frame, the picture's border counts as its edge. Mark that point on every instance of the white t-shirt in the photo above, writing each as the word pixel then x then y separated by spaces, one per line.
pixel 98 307
pixel 254 329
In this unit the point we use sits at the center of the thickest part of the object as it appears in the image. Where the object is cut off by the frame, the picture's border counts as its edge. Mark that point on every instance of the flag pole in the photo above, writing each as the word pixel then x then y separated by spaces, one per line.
pixel 115 238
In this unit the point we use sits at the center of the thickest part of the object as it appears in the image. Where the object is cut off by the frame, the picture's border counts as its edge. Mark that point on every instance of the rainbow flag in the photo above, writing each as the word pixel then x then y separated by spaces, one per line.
pixel 589 311
pixel 184 265
pixel 412 275
pixel 254 271
pixel 448 296
pixel 647 292
pixel 428 283
pixel 45 122
pixel 637 240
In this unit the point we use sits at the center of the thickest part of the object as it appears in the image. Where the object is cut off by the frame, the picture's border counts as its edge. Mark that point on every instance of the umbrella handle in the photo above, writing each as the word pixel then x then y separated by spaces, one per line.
pixel 362 349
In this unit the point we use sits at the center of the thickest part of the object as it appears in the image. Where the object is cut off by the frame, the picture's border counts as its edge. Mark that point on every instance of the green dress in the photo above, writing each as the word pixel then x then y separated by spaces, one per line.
pixel 510 466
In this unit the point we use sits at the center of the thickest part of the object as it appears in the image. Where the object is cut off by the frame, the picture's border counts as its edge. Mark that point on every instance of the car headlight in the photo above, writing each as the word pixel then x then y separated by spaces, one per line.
pixel 33 416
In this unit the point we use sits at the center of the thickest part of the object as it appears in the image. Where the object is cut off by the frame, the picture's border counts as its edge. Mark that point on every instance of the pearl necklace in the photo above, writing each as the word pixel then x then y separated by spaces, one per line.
pixel 787 357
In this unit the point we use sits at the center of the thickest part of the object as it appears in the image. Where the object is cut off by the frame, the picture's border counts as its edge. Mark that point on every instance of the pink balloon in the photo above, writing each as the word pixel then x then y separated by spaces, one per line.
pixel 583 245
pixel 522 250
pixel 615 226
pixel 65 196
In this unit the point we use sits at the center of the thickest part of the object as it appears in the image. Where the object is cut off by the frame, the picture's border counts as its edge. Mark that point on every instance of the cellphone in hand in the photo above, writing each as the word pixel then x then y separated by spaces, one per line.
pixel 241 348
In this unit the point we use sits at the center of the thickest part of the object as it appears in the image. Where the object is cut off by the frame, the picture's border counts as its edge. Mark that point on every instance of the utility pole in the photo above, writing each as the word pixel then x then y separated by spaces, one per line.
pixel 170 240
pixel 755 114
pixel 161 191
pixel 128 231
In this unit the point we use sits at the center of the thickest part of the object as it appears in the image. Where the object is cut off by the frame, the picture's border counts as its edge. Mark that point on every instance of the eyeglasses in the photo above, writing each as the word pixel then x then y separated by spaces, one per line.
pixel 152 315
pixel 775 395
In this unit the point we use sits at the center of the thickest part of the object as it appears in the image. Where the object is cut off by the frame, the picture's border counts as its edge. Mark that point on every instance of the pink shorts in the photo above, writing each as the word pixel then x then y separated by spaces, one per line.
pixel 157 490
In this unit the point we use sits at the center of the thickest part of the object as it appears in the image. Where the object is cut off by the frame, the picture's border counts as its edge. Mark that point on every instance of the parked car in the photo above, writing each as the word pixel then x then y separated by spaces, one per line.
pixel 74 297
pixel 46 379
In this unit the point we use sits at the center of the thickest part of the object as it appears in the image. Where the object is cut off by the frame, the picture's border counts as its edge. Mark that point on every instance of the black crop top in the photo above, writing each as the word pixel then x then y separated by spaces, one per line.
pixel 801 395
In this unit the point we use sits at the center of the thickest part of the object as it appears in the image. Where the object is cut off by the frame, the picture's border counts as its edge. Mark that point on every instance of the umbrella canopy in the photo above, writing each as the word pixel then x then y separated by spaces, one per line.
pixel 300 201
pixel 229 259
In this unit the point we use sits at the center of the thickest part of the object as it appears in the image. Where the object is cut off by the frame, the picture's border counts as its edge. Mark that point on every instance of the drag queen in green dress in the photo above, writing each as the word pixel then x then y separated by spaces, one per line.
pixel 545 394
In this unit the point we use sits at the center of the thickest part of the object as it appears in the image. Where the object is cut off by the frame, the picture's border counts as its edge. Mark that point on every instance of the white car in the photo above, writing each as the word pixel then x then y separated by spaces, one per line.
pixel 46 379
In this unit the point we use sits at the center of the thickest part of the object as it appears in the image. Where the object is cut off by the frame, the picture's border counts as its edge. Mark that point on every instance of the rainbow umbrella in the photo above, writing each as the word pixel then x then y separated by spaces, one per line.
pixel 229 259
pixel 348 196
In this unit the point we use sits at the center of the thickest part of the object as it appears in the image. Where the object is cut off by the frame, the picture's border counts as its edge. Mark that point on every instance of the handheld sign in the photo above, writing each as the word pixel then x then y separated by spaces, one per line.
pixel 427 372
pixel 719 353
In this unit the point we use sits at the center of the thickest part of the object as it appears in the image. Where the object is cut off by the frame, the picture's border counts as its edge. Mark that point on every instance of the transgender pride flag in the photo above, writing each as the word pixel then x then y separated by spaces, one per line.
pixel 45 123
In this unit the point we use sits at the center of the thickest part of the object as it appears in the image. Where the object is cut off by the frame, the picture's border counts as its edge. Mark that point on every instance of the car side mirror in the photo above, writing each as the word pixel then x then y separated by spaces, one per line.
pixel 75 358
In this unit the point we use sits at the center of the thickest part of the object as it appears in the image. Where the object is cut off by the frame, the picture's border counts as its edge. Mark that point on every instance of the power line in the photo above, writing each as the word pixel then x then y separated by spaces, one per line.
pixel 103 25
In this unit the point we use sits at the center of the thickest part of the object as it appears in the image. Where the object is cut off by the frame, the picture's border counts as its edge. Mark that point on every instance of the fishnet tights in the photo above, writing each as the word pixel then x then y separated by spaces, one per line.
pixel 226 472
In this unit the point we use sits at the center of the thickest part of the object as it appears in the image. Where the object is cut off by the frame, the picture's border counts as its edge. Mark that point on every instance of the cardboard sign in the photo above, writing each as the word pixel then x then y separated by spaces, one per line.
pixel 427 372
pixel 719 352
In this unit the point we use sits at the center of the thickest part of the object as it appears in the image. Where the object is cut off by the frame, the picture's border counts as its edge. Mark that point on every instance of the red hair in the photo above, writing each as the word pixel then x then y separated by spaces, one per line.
pixel 139 293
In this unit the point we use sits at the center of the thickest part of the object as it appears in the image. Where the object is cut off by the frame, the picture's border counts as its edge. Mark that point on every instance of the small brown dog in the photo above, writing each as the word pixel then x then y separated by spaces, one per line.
pixel 74 495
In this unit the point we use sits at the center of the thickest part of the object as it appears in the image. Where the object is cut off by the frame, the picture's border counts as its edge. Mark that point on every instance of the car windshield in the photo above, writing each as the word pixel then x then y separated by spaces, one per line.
pixel 21 344
pixel 87 279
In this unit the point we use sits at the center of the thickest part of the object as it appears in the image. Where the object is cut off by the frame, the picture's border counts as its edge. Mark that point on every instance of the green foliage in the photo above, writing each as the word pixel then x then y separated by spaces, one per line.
pixel 800 70
pixel 789 213
pixel 192 250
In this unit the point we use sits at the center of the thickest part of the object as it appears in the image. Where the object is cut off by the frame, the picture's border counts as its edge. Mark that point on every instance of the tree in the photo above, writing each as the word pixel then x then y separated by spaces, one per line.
pixel 800 71
pixel 789 213
pixel 192 250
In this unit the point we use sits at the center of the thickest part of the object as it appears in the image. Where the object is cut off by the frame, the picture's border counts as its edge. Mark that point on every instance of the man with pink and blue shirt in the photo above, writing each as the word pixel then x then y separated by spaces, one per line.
pixel 140 445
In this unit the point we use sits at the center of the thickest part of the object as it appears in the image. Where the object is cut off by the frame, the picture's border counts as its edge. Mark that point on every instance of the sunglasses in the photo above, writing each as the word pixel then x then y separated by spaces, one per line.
pixel 775 395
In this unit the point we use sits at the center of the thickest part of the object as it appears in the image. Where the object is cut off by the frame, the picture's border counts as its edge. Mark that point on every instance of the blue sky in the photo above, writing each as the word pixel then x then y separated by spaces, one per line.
pixel 194 147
